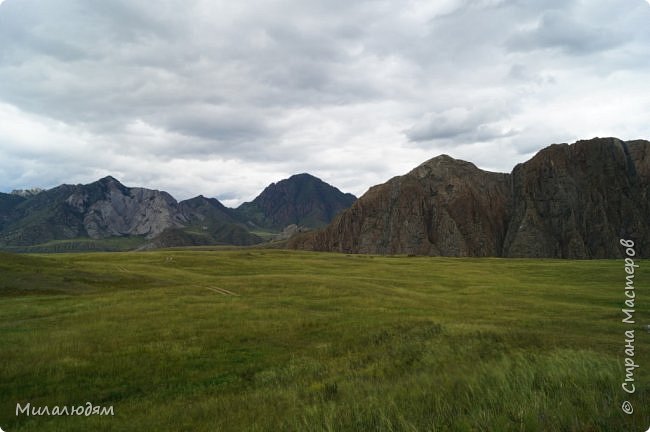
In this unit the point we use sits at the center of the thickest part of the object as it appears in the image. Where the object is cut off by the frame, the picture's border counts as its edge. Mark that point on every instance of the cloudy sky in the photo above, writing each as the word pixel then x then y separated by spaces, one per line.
pixel 221 98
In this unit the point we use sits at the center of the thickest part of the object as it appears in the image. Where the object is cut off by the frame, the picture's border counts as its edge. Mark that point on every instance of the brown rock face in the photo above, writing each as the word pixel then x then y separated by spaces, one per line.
pixel 578 201
pixel 443 207
pixel 569 201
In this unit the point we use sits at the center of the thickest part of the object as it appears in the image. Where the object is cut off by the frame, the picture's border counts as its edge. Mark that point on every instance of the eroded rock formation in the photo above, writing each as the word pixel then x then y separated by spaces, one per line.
pixel 568 201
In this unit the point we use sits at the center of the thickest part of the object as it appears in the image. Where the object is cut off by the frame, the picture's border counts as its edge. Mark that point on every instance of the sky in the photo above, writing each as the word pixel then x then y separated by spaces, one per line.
pixel 221 98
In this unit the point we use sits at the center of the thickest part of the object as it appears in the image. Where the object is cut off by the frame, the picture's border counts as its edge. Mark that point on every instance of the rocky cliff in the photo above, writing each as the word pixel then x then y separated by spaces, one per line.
pixel 121 211
pixel 107 209
pixel 577 201
pixel 569 201
pixel 102 209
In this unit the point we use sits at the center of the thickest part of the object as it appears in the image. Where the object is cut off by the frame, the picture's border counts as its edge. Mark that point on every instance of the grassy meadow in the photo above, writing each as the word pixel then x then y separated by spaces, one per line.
pixel 272 340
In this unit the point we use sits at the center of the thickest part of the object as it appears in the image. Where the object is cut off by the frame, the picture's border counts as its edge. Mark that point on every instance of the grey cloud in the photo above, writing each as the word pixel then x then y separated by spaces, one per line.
pixel 458 124
pixel 310 85
pixel 137 70
pixel 556 30
pixel 523 74
pixel 219 123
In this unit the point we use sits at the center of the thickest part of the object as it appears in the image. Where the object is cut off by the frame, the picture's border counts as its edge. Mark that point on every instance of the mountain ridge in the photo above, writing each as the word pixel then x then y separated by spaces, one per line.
pixel 567 201
pixel 107 209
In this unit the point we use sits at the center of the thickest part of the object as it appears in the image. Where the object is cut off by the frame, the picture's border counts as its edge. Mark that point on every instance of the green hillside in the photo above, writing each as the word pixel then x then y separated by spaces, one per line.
pixel 255 340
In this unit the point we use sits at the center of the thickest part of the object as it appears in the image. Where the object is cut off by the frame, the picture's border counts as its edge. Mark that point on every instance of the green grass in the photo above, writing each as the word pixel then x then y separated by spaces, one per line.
pixel 265 234
pixel 111 244
pixel 317 342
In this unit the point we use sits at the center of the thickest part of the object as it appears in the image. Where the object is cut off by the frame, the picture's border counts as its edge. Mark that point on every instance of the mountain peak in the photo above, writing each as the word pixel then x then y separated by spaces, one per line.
pixel 304 176
pixel 202 200
pixel 445 159
pixel 108 180
pixel 302 199
pixel 441 165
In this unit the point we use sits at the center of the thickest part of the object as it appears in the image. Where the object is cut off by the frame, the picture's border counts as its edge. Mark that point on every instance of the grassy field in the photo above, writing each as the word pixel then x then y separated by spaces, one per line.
pixel 265 340
pixel 81 244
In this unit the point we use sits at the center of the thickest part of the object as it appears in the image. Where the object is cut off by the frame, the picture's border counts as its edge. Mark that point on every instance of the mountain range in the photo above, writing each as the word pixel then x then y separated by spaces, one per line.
pixel 106 215
pixel 568 201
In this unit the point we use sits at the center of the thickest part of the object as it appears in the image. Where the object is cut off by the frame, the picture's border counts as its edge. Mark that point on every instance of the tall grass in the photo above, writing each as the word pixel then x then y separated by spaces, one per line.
pixel 316 342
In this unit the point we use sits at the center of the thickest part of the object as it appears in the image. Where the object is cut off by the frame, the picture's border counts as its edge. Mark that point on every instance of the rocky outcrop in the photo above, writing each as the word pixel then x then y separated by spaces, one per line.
pixel 577 201
pixel 443 207
pixel 569 201
pixel 126 211
pixel 98 210
pixel 289 231
pixel 27 193
pixel 302 200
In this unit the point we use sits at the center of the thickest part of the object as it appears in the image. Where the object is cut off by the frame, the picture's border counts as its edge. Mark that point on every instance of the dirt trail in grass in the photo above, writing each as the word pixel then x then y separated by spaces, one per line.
pixel 221 291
